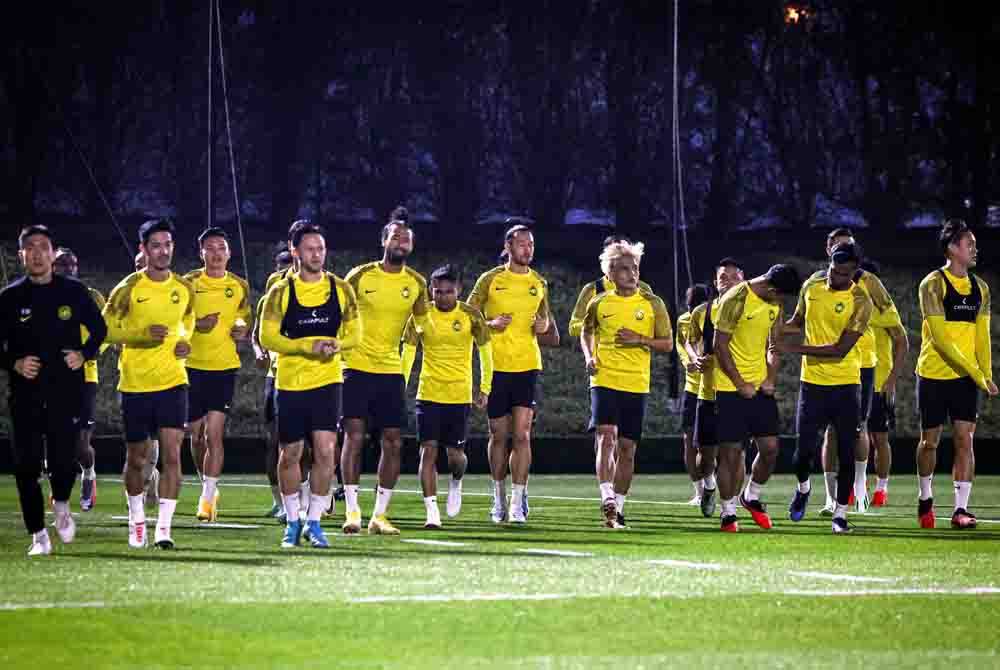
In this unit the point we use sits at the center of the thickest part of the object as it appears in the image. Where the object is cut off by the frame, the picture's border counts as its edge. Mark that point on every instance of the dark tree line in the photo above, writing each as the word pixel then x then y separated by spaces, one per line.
pixel 465 108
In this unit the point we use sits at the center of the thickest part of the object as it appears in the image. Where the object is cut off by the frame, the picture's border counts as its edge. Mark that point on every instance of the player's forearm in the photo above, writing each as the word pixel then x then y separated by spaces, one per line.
pixel 119 333
pixel 485 368
pixel 272 340
pixel 900 347
pixel 578 316
pixel 587 344
pixel 984 353
pixel 950 352
pixel 724 357
pixel 663 345
pixel 350 334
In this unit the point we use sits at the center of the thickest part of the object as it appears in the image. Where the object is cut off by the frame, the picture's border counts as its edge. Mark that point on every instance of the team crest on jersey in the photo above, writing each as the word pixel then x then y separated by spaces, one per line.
pixel 175 297
pixel 65 312
pixel 533 290
pixel 405 292
pixel 839 308
pixel 771 314
pixel 639 315
pixel 456 325
pixel 229 292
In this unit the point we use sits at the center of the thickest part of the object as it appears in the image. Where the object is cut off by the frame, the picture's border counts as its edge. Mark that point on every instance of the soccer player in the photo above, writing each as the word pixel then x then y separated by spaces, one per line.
pixel 151 315
pixel 310 318
pixel 621 330
pixel 222 309
pixel 596 287
pixel 43 352
pixel 67 265
pixel 445 390
pixel 748 324
pixel 834 312
pixel 955 362
pixel 388 292
pixel 701 353
pixel 150 473
pixel 269 360
pixel 891 347
pixel 514 300
pixel 693 463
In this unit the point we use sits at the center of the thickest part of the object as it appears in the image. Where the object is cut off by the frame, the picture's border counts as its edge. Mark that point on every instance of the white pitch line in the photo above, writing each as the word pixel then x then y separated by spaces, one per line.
pixel 12 607
pixel 437 543
pixel 971 591
pixel 687 564
pixel 556 552
pixel 840 578
pixel 469 597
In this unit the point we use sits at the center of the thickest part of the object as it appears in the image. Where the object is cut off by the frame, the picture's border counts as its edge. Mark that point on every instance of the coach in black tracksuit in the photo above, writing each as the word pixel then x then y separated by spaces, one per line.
pixel 43 353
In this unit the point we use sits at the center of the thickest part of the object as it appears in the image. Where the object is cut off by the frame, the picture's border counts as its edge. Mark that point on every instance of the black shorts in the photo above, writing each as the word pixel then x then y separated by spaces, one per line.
pixel 300 413
pixel 88 403
pixel 939 400
pixel 689 406
pixel 510 390
pixel 209 391
pixel 883 415
pixel 610 407
pixel 379 399
pixel 270 410
pixel 704 424
pixel 867 392
pixel 444 423
pixel 738 418
pixel 821 406
pixel 145 413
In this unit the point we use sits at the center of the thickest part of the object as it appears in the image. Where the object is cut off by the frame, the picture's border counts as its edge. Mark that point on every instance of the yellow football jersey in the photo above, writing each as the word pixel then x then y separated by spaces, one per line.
pixel 523 296
pixel 696 335
pixel 749 320
pixel 692 379
pixel 884 351
pixel 386 300
pixel 446 341
pixel 300 369
pixel 229 296
pixel 134 305
pixel 827 315
pixel 90 374
pixel 624 367
pixel 587 294
pixel 970 339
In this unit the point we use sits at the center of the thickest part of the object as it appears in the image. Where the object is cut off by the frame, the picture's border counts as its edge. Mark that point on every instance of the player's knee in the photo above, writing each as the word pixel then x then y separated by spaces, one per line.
pixel 522 438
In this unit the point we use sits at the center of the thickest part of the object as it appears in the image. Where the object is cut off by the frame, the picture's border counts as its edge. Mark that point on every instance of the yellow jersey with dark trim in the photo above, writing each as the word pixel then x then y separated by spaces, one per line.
pixel 696 335
pixel 587 294
pixel 828 313
pixel 386 300
pixel 446 363
pixel 963 334
pixel 134 305
pixel 692 378
pixel 884 314
pixel 624 367
pixel 523 296
pixel 90 374
pixel 749 320
pixel 229 297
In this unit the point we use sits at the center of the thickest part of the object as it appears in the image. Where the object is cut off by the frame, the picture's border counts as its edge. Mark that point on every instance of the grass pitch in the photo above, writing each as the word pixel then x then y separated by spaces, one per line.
pixel 560 592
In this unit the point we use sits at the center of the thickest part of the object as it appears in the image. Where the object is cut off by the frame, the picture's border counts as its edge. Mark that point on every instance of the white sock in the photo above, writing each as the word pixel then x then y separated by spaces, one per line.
pixel 382 498
pixel 208 488
pixel 89 473
pixel 620 502
pixel 499 489
pixel 276 494
pixel 925 487
pixel 517 495
pixel 136 511
pixel 351 497
pixel 805 487
pixel 291 507
pixel 166 517
pixel 317 505
pixel 607 491
pixel 882 485
pixel 860 479
pixel 840 511
pixel 430 504
pixel 456 484
pixel 831 486
pixel 709 482
pixel 40 536
pixel 962 491
pixel 699 487
pixel 753 490
pixel 729 507
pixel 62 508
pixel 305 493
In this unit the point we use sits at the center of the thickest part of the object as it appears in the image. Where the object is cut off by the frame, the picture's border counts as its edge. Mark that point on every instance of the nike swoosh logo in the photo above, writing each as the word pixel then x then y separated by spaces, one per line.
pixel 372 291
pixel 605 316
pixel 201 291
pixel 749 318
pixel 141 299
pixel 501 288
pixel 25 318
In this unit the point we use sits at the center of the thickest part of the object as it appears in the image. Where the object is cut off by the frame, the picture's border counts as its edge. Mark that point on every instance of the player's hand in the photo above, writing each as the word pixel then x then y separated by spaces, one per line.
pixel 767 388
pixel 239 332
pixel 480 400
pixel 28 366
pixel 500 323
pixel 691 367
pixel 746 390
pixel 261 357
pixel 158 333
pixel 991 388
pixel 591 364
pixel 889 387
pixel 627 336
pixel 326 349
pixel 703 363
pixel 540 324
pixel 182 349
pixel 74 359
pixel 206 323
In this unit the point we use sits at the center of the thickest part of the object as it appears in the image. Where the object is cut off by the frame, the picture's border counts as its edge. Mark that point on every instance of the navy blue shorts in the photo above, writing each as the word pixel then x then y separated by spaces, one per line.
pixel 867 392
pixel 209 391
pixel 689 407
pixel 270 408
pixel 821 406
pixel 88 402
pixel 378 399
pixel 939 400
pixel 145 413
pixel 444 423
pixel 610 407
pixel 510 390
pixel 704 424
pixel 738 418
pixel 301 413
pixel 883 415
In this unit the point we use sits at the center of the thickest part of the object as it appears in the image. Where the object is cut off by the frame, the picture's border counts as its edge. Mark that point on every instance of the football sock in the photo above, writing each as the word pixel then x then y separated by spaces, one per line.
pixel 607 491
pixel 962 491
pixel 317 505
pixel 292 507
pixel 351 497
pixel 208 487
pixel 882 485
pixel 382 498
pixel 925 487
pixel 166 517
